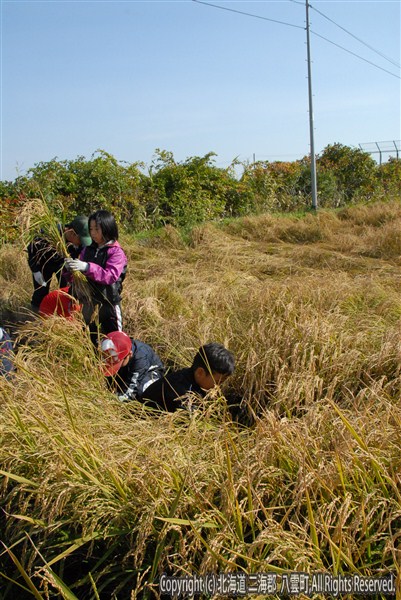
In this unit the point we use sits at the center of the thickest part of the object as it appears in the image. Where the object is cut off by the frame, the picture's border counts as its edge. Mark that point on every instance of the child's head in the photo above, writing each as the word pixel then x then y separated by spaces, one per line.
pixel 59 302
pixel 212 365
pixel 117 350
pixel 77 231
pixel 102 227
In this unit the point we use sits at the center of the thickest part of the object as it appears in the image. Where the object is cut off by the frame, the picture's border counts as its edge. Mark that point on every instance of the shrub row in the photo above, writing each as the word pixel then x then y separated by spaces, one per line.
pixel 196 190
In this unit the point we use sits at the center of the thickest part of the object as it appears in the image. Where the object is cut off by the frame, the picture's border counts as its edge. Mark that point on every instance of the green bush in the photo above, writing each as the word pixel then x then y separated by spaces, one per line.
pixel 187 193
pixel 389 177
pixel 190 192
pixel 82 186
pixel 353 169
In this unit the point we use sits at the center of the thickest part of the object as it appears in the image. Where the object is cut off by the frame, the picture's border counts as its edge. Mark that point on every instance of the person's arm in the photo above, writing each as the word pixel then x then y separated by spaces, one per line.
pixel 166 393
pixel 112 269
pixel 136 370
pixel 107 275
pixel 131 391
pixel 39 254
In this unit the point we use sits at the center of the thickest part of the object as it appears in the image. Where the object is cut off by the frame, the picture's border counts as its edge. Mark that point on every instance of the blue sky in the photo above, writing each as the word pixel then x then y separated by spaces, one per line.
pixel 129 77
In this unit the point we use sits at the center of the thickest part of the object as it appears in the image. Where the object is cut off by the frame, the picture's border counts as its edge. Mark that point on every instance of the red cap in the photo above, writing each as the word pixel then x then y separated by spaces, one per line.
pixel 116 346
pixel 59 302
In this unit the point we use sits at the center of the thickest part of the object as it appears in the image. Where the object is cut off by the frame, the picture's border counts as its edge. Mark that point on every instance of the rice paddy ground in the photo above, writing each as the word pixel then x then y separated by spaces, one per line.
pixel 99 499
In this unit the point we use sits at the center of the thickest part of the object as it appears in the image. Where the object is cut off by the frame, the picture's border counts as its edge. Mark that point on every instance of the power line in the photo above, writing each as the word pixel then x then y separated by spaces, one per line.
pixel 354 36
pixel 353 54
pixel 298 27
pixel 240 12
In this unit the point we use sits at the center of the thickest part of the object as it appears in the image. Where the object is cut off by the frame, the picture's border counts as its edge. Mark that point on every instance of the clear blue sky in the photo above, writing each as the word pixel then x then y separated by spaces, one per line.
pixel 130 77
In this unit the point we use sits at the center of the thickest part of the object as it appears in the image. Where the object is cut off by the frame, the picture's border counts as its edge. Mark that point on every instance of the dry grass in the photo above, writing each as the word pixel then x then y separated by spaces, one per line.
pixel 311 309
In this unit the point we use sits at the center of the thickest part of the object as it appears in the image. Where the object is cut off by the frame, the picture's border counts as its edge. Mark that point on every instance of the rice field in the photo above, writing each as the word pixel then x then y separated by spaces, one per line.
pixel 293 466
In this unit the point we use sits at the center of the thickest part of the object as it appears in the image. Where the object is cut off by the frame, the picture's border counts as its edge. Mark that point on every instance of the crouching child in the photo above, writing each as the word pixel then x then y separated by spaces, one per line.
pixel 129 365
pixel 211 366
pixel 59 302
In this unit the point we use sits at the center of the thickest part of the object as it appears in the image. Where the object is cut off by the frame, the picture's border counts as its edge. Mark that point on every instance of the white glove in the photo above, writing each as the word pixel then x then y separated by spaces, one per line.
pixel 123 398
pixel 74 264
pixel 38 277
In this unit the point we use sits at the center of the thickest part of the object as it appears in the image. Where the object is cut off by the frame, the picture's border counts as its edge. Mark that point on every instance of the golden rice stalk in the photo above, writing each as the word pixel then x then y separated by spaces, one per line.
pixel 36 218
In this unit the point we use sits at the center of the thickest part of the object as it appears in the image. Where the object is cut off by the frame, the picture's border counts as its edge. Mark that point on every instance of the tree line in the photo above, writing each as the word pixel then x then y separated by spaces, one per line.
pixel 196 190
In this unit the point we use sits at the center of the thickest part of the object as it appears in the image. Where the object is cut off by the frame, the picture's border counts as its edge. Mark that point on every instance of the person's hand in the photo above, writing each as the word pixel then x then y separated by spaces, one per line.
pixel 67 264
pixel 74 264
pixel 38 277
pixel 123 398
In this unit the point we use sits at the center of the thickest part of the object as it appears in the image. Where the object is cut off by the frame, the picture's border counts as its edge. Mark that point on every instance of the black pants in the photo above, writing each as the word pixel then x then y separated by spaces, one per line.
pixel 108 319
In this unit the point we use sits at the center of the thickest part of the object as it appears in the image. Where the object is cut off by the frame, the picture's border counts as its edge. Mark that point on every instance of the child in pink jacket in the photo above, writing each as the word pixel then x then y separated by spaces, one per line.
pixel 104 264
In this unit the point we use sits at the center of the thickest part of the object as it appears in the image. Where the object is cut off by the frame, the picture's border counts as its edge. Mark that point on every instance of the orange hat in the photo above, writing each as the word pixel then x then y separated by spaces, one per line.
pixel 116 345
pixel 59 302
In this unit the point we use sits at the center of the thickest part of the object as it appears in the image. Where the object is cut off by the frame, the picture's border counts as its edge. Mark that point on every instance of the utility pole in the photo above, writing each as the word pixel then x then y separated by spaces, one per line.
pixel 311 133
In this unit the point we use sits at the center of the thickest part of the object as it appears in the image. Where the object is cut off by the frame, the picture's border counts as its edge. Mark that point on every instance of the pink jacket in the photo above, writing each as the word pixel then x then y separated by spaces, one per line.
pixel 104 270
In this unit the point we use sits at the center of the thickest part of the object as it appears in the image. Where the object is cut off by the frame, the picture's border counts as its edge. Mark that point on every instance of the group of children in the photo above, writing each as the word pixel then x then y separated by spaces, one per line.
pixel 94 251
pixel 138 373
pixel 131 367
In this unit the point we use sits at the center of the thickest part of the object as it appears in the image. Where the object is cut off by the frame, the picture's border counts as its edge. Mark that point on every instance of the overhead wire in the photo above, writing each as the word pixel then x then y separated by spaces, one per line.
pixel 354 54
pixel 298 27
pixel 240 12
pixel 355 37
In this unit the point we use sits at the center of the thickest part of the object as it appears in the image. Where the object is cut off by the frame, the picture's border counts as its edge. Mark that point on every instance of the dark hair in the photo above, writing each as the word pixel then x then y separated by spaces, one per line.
pixel 107 222
pixel 214 358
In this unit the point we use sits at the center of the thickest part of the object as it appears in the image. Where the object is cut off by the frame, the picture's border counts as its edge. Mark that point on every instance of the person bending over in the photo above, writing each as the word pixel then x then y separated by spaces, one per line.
pixel 44 260
pixel 59 302
pixel 212 365
pixel 129 365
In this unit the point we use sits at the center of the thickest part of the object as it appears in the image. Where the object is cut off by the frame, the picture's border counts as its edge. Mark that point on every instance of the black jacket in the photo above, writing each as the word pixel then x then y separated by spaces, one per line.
pixel 143 368
pixel 42 256
pixel 167 393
